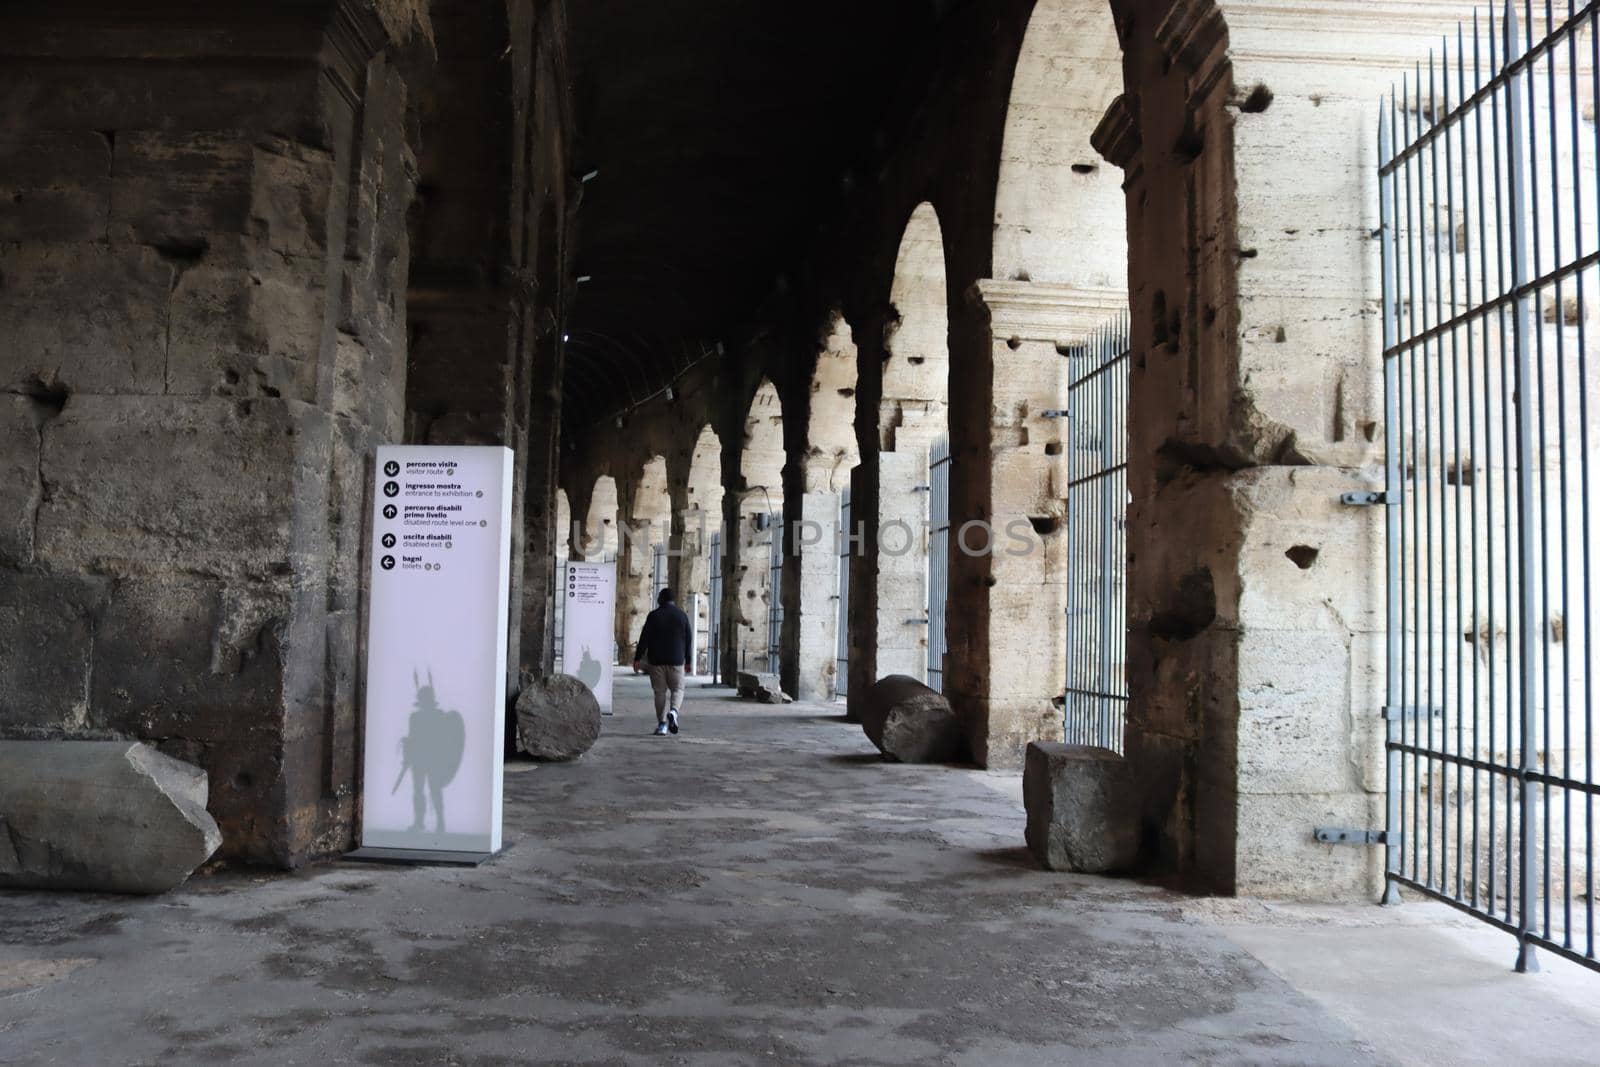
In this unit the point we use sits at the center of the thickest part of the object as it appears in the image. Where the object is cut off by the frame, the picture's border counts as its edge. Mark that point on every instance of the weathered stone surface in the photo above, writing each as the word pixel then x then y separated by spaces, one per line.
pixel 19 477
pixel 211 484
pixel 1081 810
pixel 47 627
pixel 558 718
pixel 910 722
pixel 762 687
pixel 91 318
pixel 54 185
pixel 105 816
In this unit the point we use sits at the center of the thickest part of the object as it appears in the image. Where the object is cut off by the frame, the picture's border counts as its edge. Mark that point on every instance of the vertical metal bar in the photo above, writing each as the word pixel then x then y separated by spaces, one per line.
pixel 1527 563
pixel 1440 266
pixel 1474 457
pixel 1409 725
pixel 1561 482
pixel 1583 452
pixel 1460 483
pixel 1069 697
pixel 1394 488
pixel 1107 517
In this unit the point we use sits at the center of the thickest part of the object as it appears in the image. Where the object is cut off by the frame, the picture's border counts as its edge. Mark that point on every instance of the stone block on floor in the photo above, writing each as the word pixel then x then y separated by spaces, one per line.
pixel 762 687
pixel 103 816
pixel 558 718
pixel 910 722
pixel 1081 811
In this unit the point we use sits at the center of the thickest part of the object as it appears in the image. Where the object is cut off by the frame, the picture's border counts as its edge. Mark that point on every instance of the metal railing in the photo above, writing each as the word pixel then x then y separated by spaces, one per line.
pixel 658 570
pixel 841 673
pixel 1489 175
pixel 1095 697
pixel 775 539
pixel 938 557
pixel 714 611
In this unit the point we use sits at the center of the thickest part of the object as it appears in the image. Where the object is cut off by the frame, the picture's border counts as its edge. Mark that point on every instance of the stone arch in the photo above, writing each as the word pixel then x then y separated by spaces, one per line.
pixel 830 434
pixel 701 520
pixel 647 520
pixel 600 522
pixel 1059 211
pixel 916 367
pixel 562 535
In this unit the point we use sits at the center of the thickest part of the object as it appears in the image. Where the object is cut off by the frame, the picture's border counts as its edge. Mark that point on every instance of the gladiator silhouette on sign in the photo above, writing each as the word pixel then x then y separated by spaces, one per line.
pixel 589 670
pixel 431 752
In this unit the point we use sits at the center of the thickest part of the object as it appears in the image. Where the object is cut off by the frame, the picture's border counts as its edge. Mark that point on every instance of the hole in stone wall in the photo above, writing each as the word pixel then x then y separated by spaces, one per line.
pixel 1248 253
pixel 50 395
pixel 1084 168
pixel 1303 556
pixel 1044 525
pixel 1280 336
pixel 1369 430
pixel 847 392
pixel 916 361
pixel 1022 276
pixel 182 249
pixel 1013 343
pixel 1053 448
pixel 1192 609
pixel 1158 317
pixel 1257 101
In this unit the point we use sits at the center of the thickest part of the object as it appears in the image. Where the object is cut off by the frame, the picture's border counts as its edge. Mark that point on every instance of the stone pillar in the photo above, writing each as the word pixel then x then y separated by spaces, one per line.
pixel 817 612
pixel 1256 400
pixel 1006 696
pixel 202 337
pixel 863 608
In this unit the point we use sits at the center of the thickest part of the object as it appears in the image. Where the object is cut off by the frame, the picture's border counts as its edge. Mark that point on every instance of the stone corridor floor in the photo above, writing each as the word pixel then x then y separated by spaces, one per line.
pixel 760 889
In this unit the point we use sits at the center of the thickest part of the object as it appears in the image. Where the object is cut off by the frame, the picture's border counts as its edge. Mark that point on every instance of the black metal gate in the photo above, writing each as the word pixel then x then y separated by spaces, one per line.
pixel 938 558
pixel 1096 693
pixel 1488 180
pixel 841 674
pixel 714 611
pixel 775 539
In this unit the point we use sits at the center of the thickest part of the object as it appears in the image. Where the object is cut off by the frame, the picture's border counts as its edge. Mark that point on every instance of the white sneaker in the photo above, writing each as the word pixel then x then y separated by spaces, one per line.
pixel 672 721
pixel 661 729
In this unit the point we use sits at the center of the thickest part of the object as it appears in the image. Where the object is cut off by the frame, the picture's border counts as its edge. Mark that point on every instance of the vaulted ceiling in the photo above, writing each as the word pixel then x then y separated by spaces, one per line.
pixel 724 133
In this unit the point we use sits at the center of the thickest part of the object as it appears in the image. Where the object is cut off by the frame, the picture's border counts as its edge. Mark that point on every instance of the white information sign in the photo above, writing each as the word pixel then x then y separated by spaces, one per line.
pixel 589 627
pixel 436 649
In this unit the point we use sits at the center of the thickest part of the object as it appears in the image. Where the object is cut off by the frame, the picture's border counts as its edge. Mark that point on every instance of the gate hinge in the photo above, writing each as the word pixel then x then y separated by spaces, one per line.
pixel 1392 712
pixel 1365 499
pixel 1338 835
pixel 1053 413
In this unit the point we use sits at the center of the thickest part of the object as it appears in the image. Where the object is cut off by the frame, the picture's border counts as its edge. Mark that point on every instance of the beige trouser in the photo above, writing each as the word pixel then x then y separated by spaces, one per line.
pixel 666 682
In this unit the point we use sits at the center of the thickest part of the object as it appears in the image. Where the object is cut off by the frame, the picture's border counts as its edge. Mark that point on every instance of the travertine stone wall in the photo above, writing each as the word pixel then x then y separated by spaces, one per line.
pixel 761 466
pixel 647 523
pixel 201 338
pixel 1031 324
pixel 830 454
pixel 1256 402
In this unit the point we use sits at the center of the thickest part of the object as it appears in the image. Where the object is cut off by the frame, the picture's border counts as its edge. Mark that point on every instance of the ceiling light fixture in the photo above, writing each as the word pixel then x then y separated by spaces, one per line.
pixel 589 177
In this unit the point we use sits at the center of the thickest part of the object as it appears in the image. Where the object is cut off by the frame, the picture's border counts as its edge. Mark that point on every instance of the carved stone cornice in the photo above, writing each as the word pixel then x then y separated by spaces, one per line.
pixel 1043 311
pixel 1117 137
pixel 1388 35
pixel 354 35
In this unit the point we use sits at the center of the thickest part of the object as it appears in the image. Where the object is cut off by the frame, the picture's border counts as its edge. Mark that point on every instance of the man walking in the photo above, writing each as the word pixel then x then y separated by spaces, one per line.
pixel 664 647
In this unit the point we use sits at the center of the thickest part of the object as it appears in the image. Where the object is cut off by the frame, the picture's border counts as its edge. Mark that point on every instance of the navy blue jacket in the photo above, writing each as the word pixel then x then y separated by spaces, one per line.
pixel 664 641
